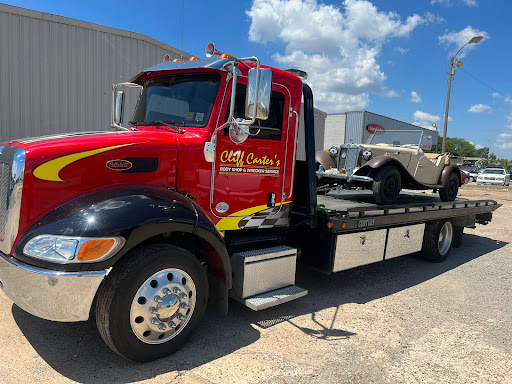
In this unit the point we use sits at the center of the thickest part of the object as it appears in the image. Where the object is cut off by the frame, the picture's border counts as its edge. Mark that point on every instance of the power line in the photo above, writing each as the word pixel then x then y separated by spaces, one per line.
pixel 484 83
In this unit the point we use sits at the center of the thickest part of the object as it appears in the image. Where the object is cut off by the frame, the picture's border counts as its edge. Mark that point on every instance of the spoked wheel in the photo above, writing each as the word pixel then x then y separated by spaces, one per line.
pixel 150 303
pixel 387 185
pixel 450 190
pixel 437 240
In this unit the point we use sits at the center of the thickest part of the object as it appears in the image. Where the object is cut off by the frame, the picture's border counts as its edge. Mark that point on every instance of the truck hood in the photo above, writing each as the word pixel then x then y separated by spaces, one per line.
pixel 60 168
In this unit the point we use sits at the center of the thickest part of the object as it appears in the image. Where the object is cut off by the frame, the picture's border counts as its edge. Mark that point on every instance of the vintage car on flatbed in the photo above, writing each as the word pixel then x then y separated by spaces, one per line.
pixel 391 160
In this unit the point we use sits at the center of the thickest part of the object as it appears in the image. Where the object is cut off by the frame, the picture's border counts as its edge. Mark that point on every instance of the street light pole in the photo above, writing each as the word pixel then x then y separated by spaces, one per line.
pixel 451 72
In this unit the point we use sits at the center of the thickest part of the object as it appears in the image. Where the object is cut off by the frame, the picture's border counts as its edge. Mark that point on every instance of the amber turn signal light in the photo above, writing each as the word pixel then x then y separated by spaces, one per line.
pixel 95 249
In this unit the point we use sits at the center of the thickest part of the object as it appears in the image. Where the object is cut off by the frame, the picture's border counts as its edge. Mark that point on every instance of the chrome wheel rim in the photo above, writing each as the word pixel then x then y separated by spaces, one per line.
pixel 445 238
pixel 162 306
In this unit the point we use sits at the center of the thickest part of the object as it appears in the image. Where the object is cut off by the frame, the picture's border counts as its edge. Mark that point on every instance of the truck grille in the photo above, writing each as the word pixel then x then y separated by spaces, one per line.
pixel 12 168
pixel 5 172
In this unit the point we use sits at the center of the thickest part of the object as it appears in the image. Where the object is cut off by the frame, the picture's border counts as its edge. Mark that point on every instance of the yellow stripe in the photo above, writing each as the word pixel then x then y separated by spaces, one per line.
pixel 50 170
pixel 231 222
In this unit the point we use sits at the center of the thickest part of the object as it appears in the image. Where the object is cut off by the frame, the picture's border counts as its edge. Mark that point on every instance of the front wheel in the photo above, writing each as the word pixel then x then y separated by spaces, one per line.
pixel 451 188
pixel 387 185
pixel 149 305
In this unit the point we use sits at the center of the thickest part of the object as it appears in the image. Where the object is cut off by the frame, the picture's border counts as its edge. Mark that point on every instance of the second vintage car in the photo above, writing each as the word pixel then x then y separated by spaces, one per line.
pixel 391 160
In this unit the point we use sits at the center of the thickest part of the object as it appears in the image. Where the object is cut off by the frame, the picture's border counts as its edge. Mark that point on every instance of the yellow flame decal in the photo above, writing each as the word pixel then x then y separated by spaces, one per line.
pixel 231 222
pixel 50 170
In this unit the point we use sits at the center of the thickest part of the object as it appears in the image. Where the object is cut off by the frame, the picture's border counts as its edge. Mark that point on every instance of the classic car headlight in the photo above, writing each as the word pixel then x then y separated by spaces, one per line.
pixel 334 151
pixel 367 154
pixel 69 249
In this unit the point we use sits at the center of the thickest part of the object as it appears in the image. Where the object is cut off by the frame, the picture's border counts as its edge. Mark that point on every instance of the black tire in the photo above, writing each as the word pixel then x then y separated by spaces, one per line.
pixel 117 296
pixel 450 190
pixel 432 249
pixel 458 233
pixel 387 185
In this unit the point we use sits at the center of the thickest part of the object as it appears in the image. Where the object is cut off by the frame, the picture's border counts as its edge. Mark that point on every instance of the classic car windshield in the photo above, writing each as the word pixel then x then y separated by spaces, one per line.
pixel 182 99
pixel 402 138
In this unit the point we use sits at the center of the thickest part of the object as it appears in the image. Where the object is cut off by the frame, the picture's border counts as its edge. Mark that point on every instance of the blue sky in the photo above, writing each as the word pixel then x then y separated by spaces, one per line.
pixel 359 54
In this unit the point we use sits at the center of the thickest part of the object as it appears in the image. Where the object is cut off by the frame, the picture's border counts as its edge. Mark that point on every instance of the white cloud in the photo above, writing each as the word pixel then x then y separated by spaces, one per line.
pixel 504 141
pixel 424 119
pixel 415 98
pixel 505 98
pixel 479 108
pixel 477 146
pixel 448 3
pixel 455 40
pixel 401 50
pixel 337 46
pixel 470 3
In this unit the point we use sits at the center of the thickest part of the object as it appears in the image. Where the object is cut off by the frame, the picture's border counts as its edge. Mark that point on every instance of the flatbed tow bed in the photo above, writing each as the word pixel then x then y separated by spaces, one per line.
pixel 348 210
pixel 352 230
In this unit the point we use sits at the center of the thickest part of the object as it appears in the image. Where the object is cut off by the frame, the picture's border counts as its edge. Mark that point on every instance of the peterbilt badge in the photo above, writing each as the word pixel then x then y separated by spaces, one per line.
pixel 119 165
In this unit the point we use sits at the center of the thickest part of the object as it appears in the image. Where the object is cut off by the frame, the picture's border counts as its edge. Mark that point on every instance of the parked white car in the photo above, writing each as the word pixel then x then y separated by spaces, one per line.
pixel 493 176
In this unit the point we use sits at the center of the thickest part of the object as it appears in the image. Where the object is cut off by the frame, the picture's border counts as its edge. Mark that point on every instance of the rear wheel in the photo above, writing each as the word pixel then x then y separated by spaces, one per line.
pixel 437 240
pixel 451 188
pixel 387 185
pixel 149 305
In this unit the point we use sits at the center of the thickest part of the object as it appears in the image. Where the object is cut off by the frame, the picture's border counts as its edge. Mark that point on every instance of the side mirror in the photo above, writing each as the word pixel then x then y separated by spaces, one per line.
pixel 119 108
pixel 257 99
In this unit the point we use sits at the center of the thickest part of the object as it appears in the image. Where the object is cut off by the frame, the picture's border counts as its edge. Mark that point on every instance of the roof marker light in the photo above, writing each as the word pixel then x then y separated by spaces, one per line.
pixel 192 58
pixel 176 60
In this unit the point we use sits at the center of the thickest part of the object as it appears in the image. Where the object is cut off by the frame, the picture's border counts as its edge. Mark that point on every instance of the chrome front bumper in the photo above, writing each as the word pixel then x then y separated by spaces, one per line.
pixel 51 295
pixel 343 176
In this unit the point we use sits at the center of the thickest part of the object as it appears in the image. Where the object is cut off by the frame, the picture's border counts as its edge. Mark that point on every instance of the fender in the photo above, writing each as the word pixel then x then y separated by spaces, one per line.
pixel 380 161
pixel 135 213
pixel 446 172
pixel 325 160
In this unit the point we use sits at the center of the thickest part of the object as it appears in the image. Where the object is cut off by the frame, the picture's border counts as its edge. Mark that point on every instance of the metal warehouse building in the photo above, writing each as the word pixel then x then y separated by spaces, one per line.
pixel 56 73
pixel 343 127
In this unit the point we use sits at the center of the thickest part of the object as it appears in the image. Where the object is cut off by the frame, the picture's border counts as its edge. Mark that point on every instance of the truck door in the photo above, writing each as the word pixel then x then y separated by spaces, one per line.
pixel 250 178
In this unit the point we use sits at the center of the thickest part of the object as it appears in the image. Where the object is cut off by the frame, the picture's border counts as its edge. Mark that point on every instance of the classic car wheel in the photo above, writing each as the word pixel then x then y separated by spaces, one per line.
pixel 451 188
pixel 466 181
pixel 387 185
pixel 150 303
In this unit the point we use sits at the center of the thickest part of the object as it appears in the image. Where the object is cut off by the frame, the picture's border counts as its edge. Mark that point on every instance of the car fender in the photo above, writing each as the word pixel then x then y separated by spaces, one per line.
pixel 447 170
pixel 325 160
pixel 381 161
pixel 135 213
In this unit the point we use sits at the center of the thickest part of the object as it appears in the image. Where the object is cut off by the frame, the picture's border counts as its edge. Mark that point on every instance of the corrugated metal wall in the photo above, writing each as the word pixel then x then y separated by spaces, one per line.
pixel 334 130
pixel 391 124
pixel 56 73
pixel 319 133
pixel 354 127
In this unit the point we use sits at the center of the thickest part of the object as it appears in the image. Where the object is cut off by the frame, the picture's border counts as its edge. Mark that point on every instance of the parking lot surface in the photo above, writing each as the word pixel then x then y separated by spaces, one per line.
pixel 400 321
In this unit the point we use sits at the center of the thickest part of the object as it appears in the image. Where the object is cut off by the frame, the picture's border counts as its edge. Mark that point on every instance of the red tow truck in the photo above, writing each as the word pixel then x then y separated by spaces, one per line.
pixel 200 198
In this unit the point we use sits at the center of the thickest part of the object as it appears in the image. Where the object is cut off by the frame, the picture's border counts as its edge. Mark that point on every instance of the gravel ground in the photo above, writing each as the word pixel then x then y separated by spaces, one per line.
pixel 401 321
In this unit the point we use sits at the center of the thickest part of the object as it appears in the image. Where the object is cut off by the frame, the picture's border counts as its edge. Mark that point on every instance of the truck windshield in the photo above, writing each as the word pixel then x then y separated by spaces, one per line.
pixel 184 99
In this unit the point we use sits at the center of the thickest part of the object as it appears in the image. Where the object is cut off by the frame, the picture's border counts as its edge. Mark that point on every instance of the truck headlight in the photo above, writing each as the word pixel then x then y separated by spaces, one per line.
pixel 69 249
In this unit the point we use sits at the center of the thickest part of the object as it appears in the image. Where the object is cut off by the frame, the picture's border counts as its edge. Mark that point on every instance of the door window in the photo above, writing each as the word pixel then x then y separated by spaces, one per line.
pixel 271 128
